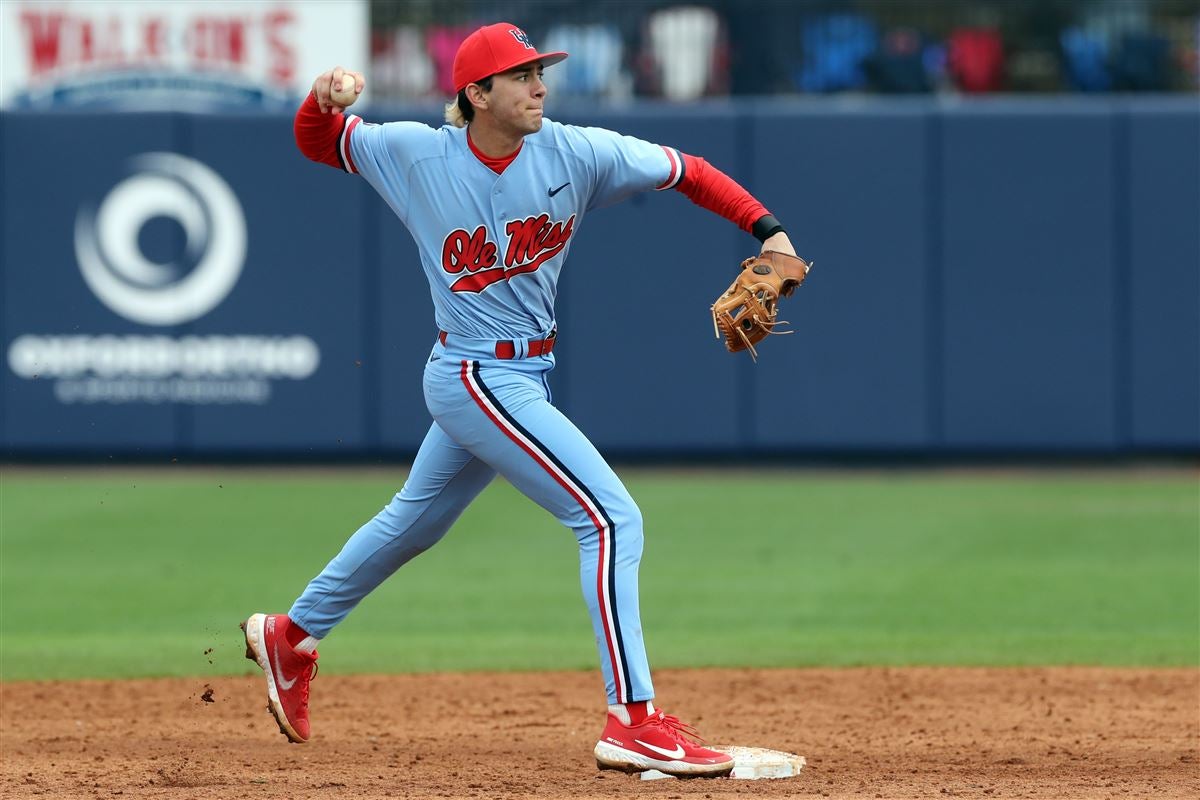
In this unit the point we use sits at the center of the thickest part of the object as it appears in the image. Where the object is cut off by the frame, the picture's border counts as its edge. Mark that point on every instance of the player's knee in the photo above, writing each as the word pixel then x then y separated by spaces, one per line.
pixel 411 521
pixel 627 527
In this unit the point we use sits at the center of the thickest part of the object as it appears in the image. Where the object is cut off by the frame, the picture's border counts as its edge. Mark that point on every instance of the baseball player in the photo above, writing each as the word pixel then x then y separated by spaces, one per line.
pixel 494 199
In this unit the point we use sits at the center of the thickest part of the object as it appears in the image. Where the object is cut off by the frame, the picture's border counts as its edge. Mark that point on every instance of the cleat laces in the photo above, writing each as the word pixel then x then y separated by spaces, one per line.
pixel 304 690
pixel 308 676
pixel 678 730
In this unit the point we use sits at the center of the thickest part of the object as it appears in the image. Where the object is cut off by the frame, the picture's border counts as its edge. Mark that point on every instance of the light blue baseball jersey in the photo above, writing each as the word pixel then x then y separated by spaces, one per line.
pixel 492 246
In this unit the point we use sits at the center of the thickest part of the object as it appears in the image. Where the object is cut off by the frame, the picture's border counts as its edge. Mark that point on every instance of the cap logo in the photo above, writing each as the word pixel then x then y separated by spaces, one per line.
pixel 521 37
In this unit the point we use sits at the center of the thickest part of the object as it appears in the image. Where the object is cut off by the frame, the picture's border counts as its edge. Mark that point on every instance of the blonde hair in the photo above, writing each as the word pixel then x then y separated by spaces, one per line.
pixel 454 114
pixel 459 111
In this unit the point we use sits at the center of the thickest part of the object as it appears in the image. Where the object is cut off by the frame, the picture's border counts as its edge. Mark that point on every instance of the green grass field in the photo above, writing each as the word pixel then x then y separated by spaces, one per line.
pixel 125 573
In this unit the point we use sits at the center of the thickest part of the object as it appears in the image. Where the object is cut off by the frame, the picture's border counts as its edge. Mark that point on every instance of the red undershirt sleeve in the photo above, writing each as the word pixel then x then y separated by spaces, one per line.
pixel 708 187
pixel 324 138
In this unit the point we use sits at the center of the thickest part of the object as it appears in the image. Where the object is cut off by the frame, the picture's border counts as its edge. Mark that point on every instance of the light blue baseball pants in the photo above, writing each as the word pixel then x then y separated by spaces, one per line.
pixel 495 416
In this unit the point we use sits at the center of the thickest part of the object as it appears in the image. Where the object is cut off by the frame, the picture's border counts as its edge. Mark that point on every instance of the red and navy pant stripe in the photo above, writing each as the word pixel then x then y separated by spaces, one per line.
pixel 606 583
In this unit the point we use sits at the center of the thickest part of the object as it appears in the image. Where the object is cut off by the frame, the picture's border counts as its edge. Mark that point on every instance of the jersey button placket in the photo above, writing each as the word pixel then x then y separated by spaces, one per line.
pixel 500 213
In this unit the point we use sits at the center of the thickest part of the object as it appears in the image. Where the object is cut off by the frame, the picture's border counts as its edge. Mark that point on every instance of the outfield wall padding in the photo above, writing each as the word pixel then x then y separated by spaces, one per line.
pixel 997 277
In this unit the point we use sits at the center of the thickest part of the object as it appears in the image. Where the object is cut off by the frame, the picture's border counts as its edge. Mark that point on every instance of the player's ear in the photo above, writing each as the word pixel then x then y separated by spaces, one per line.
pixel 476 94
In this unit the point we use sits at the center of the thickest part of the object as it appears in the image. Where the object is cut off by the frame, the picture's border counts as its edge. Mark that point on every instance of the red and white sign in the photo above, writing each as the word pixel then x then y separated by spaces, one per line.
pixel 182 54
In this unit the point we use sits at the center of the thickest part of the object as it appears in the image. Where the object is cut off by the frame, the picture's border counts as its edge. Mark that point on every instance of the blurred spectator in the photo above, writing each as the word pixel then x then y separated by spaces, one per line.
pixel 442 42
pixel 762 57
pixel 1085 60
pixel 834 48
pixel 899 66
pixel 684 53
pixel 934 59
pixel 1142 64
pixel 1115 48
pixel 595 66
pixel 1111 20
pixel 400 64
pixel 975 59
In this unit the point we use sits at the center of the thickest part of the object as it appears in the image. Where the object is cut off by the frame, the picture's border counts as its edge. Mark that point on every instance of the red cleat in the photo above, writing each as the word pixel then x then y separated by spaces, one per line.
pixel 663 743
pixel 288 672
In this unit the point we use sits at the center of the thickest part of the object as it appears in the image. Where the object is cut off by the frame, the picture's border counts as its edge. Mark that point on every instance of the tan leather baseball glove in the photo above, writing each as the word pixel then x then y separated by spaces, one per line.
pixel 746 313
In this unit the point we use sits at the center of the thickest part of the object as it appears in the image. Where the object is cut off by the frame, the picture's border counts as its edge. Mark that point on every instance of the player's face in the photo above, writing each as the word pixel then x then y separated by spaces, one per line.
pixel 517 98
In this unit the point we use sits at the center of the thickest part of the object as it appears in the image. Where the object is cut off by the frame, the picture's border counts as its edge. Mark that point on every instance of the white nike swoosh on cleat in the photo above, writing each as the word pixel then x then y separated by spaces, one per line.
pixel 676 753
pixel 285 684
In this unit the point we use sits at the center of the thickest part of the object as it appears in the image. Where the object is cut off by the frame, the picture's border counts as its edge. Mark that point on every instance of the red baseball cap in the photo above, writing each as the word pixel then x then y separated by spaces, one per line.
pixel 493 49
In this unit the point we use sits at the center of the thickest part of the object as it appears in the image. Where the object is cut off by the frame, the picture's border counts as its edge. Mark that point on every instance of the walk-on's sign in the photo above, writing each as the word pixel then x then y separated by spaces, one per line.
pixel 179 55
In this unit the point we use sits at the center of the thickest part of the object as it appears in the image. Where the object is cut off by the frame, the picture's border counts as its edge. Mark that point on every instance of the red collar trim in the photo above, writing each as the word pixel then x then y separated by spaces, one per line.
pixel 496 165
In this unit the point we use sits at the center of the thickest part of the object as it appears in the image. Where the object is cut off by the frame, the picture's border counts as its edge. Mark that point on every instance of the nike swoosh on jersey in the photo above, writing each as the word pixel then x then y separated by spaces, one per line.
pixel 553 192
pixel 283 684
pixel 676 753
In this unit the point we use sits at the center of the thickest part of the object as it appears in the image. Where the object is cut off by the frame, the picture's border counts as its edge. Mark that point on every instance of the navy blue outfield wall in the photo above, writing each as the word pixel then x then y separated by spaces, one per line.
pixel 1004 277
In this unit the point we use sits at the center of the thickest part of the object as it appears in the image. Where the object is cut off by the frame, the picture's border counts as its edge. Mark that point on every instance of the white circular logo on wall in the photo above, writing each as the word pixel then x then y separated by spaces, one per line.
pixel 114 266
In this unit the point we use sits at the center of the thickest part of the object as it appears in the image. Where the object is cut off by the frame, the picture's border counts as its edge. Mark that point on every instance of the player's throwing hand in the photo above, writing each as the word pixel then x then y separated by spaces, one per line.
pixel 332 95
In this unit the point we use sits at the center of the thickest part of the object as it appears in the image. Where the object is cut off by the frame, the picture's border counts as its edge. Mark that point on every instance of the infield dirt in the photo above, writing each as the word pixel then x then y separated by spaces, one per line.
pixel 890 733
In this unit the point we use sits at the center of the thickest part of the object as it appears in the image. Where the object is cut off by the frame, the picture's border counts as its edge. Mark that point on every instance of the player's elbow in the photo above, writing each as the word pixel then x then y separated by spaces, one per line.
pixel 318 146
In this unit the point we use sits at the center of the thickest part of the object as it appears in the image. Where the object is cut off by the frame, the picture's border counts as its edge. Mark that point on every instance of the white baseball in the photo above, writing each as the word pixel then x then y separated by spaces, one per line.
pixel 344 95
